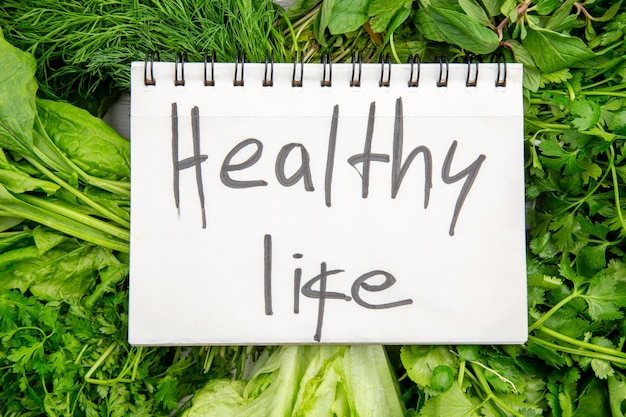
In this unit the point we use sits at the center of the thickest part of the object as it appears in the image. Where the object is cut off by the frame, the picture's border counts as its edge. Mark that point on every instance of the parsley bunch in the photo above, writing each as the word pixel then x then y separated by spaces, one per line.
pixel 575 127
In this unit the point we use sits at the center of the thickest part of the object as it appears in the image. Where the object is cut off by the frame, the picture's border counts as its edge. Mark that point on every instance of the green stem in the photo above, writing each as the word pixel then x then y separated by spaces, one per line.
pixel 570 91
pixel 500 377
pixel 585 345
pixel 461 372
pixel 80 195
pixel 19 208
pixel 547 126
pixel 291 30
pixel 120 378
pixel 605 93
pixel 553 310
pixel 578 352
pixel 393 48
pixel 618 206
pixel 485 386
pixel 80 217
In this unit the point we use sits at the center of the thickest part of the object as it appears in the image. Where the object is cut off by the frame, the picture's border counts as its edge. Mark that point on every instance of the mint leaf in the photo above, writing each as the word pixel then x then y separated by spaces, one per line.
pixel 493 7
pixel 457 28
pixel 348 16
pixel 475 12
pixel 554 51
pixel 383 13
pixel 562 18
pixel 545 7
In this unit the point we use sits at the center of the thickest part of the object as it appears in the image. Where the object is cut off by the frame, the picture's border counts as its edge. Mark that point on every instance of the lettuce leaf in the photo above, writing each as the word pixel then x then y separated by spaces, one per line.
pixel 311 381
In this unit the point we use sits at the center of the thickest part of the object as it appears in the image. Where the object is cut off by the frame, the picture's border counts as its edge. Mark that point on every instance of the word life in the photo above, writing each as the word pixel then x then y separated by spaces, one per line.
pixel 322 293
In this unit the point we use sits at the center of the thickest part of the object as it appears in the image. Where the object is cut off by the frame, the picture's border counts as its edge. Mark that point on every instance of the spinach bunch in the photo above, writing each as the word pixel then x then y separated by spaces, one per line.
pixel 64 232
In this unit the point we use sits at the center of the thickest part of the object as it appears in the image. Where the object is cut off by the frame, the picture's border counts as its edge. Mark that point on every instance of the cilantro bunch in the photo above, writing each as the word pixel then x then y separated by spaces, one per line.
pixel 575 127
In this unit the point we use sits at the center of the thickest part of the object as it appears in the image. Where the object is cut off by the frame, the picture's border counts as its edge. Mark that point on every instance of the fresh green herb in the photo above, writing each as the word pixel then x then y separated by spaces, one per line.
pixel 62 327
pixel 64 215
pixel 83 49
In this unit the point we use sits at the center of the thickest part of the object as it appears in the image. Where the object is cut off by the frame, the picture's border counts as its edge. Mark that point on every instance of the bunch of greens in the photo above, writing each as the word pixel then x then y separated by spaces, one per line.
pixel 306 381
pixel 84 48
pixel 64 216
pixel 64 347
pixel 575 78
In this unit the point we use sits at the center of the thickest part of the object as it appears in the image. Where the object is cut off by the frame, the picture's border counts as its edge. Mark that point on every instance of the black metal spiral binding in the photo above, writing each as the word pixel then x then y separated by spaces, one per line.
pixel 385 81
pixel 239 62
pixel 149 79
pixel 327 62
pixel 444 70
pixel 268 78
pixel 355 80
pixel 472 75
pixel 501 76
pixel 179 70
pixel 295 82
pixel 414 76
pixel 471 61
pixel 209 81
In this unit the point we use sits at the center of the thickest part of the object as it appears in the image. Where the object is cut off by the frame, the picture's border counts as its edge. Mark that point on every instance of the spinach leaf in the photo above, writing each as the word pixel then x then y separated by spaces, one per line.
pixel 457 28
pixel 385 12
pixel 17 98
pixel 553 51
pixel 88 141
pixel 348 16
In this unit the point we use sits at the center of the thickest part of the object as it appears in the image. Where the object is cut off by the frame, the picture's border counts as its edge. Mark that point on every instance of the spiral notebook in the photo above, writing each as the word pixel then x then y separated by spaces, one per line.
pixel 278 203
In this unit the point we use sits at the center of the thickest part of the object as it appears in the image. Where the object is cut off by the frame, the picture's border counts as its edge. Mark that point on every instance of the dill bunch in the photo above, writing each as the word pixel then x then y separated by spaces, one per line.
pixel 84 48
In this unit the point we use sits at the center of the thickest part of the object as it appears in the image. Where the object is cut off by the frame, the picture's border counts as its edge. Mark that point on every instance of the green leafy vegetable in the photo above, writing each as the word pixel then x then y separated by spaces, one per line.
pixel 307 381
pixel 64 213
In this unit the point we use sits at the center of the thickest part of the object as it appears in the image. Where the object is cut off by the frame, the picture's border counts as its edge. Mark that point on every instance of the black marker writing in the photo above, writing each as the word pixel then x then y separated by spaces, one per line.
pixel 267 274
pixel 297 278
pixel 367 156
pixel 360 283
pixel 194 161
pixel 320 293
pixel 253 159
pixel 248 152
pixel 330 158
pixel 398 168
pixel 303 172
pixel 470 172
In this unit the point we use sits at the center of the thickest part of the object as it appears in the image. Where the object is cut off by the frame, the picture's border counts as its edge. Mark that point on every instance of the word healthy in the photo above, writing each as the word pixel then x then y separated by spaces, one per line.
pixel 399 164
